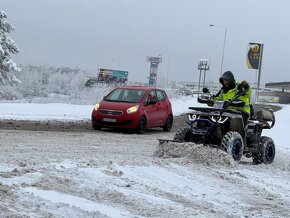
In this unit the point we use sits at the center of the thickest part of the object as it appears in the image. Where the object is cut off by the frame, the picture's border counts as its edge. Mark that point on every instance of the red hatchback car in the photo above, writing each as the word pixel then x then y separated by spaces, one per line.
pixel 133 107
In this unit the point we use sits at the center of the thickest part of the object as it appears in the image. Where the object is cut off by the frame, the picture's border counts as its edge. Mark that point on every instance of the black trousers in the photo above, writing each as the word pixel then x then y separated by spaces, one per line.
pixel 245 117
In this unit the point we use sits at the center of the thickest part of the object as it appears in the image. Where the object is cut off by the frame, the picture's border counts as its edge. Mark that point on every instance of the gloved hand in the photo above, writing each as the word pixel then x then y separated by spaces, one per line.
pixel 205 90
pixel 243 86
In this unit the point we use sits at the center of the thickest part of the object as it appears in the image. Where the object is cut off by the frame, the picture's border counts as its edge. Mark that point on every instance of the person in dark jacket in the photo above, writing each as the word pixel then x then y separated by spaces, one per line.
pixel 230 88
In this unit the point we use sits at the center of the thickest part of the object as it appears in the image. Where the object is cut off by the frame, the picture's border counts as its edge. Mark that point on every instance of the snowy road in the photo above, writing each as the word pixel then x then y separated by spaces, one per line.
pixel 62 168
pixel 110 174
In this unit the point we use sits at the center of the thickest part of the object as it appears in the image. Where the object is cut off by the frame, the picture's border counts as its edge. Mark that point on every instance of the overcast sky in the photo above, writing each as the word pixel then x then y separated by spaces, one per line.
pixel 120 34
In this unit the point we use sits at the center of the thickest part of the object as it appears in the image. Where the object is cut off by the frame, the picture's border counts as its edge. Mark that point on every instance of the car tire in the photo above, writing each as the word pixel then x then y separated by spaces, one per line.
pixel 96 127
pixel 168 123
pixel 141 126
pixel 233 144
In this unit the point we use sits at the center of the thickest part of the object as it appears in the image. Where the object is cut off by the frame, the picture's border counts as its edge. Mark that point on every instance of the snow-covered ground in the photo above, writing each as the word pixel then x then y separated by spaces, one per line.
pixel 60 111
pixel 109 174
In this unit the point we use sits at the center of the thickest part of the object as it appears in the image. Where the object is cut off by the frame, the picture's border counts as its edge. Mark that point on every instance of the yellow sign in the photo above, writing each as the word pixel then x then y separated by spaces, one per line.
pixel 253 55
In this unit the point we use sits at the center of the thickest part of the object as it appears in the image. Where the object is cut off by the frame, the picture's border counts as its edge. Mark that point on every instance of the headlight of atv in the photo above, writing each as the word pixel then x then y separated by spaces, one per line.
pixel 133 109
pixel 192 117
pixel 218 119
pixel 96 107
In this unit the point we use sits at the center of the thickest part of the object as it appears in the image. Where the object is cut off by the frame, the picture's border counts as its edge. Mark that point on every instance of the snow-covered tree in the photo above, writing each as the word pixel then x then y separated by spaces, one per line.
pixel 7 47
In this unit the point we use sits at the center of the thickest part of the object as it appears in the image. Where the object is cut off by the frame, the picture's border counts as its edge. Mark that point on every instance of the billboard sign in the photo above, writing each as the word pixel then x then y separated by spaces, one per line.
pixel 112 76
pixel 254 55
pixel 203 64
pixel 154 59
pixel 153 74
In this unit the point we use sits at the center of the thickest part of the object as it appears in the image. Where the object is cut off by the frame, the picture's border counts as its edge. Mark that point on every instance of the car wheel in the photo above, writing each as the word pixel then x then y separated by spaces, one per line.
pixel 168 123
pixel 96 127
pixel 141 126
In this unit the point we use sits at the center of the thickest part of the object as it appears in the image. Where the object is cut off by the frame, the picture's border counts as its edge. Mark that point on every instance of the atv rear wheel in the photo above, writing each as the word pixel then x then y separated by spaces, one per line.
pixel 266 152
pixel 233 144
pixel 168 123
pixel 183 135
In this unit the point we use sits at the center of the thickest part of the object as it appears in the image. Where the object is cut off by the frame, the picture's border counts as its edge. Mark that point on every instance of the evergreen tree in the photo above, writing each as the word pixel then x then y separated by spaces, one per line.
pixel 7 47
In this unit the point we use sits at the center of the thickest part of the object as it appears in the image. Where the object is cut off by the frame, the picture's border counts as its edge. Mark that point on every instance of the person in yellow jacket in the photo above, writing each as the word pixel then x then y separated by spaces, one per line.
pixel 231 88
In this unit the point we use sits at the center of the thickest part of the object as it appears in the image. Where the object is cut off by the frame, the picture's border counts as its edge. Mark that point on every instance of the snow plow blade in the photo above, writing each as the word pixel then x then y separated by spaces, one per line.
pixel 162 141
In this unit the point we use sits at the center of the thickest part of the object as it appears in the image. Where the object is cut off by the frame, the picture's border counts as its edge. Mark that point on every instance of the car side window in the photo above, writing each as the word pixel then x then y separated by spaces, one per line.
pixel 151 95
pixel 161 95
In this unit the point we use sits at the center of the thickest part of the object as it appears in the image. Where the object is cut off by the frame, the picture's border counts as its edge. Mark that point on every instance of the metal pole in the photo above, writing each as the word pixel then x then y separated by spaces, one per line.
pixel 259 73
pixel 225 36
pixel 224 44
pixel 256 91
pixel 203 78
pixel 167 76
pixel 198 84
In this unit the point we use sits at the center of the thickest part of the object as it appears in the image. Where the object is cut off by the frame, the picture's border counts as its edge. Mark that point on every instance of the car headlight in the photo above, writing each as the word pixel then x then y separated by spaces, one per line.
pixel 133 109
pixel 96 107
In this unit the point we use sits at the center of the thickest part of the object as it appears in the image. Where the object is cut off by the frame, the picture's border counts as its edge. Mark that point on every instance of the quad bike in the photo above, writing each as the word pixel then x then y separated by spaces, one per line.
pixel 223 128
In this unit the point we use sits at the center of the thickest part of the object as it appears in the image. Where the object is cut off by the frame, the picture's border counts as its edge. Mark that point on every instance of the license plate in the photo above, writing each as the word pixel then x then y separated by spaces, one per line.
pixel 109 120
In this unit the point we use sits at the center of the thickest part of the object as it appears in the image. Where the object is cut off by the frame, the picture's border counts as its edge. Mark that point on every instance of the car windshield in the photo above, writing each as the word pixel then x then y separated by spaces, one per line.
pixel 126 95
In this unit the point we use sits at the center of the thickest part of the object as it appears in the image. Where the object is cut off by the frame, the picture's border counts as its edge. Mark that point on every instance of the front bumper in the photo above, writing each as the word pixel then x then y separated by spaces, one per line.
pixel 126 122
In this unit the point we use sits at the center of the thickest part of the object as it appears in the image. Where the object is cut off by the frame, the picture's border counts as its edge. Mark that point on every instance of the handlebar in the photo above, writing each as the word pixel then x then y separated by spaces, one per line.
pixel 232 102
pixel 205 100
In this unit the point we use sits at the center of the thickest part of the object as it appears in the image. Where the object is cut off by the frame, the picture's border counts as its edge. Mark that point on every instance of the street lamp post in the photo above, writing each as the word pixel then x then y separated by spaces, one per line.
pixel 225 36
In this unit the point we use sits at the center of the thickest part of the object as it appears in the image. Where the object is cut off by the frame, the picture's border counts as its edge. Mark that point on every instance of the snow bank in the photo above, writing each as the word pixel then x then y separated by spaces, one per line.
pixel 195 153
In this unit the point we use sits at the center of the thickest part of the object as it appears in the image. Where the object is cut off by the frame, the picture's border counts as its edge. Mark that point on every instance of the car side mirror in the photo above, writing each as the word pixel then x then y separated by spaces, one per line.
pixel 151 101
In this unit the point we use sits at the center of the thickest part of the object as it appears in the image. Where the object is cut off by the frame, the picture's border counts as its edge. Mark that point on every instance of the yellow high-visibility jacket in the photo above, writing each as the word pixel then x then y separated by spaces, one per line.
pixel 230 94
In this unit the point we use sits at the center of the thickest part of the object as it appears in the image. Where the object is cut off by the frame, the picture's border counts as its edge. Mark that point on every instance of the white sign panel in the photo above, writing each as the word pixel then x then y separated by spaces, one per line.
pixel 203 64
pixel 154 59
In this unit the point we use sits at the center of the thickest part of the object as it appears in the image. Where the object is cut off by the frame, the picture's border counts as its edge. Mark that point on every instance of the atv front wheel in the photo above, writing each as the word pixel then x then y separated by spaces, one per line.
pixel 233 144
pixel 183 135
pixel 266 152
